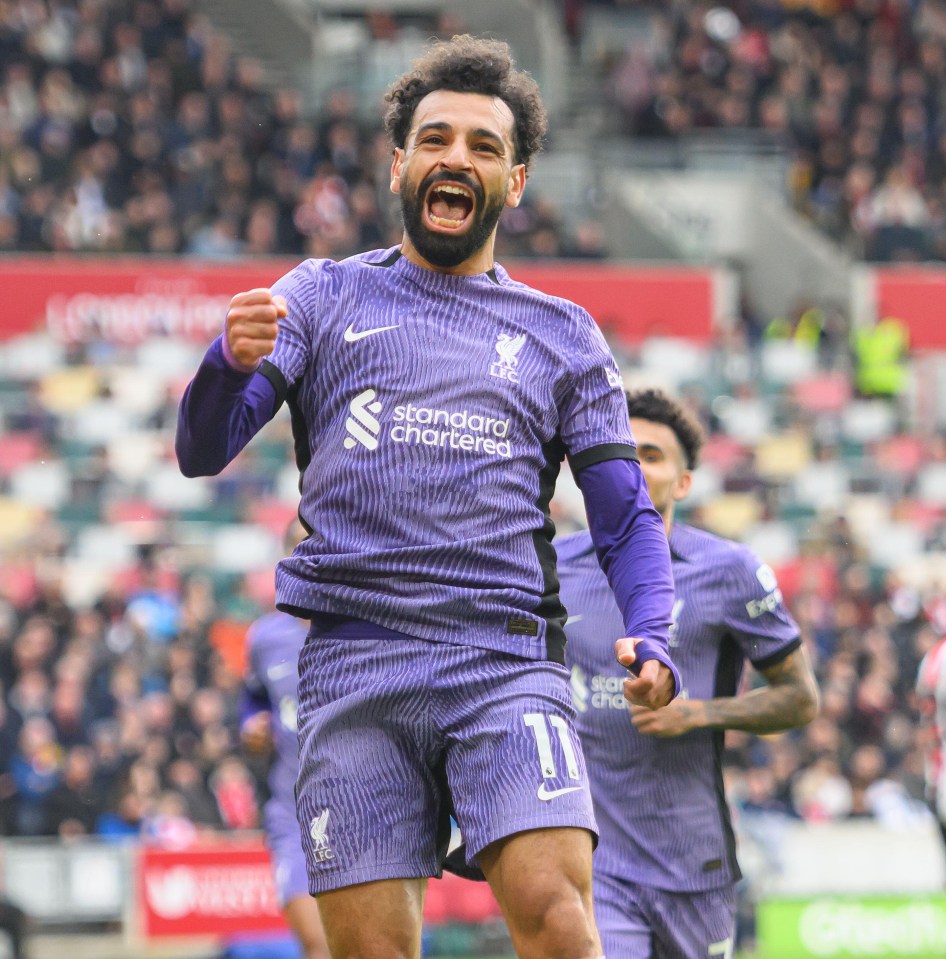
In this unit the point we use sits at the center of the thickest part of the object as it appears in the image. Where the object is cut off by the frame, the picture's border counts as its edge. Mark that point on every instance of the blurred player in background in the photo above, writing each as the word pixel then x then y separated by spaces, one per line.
pixel 433 400
pixel 665 871
pixel 931 699
pixel 268 721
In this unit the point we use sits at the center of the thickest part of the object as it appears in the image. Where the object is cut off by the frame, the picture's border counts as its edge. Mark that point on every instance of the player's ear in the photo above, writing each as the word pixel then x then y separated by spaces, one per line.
pixel 684 484
pixel 396 164
pixel 517 183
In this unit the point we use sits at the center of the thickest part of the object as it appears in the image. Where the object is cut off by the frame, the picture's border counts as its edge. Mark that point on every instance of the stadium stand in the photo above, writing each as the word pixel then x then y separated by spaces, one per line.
pixel 132 127
pixel 851 91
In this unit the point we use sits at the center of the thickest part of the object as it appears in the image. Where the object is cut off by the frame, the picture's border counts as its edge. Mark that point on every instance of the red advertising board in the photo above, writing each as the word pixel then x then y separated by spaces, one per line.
pixel 226 888
pixel 916 295
pixel 221 889
pixel 128 300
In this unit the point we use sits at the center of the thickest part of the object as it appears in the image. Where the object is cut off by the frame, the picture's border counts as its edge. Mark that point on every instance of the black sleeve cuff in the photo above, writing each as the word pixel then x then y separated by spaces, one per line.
pixel 598 454
pixel 775 658
pixel 278 381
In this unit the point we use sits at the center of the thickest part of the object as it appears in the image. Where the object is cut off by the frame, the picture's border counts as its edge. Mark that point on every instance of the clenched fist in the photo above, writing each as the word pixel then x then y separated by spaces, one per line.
pixel 252 325
pixel 653 686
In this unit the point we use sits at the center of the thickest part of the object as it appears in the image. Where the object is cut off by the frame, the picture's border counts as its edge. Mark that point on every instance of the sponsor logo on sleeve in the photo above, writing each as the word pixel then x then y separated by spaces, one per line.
pixel 769 603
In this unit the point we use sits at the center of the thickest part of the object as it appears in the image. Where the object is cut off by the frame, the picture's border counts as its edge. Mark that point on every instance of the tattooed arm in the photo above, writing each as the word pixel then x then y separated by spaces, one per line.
pixel 789 699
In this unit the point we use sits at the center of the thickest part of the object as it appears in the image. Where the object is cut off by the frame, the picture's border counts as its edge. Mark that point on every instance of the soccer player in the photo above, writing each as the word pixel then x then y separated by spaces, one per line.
pixel 433 399
pixel 931 698
pixel 268 721
pixel 665 871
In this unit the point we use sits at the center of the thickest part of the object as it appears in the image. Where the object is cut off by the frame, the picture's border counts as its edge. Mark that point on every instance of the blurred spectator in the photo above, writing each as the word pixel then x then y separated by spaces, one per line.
pixel 880 358
pixel 74 805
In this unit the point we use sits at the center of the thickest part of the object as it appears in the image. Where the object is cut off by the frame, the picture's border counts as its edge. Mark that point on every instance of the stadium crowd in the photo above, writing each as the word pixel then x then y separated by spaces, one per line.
pixel 130 126
pixel 851 89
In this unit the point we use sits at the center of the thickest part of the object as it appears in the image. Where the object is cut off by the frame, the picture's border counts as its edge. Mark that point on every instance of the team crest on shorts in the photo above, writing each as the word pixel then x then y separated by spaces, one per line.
pixel 318 830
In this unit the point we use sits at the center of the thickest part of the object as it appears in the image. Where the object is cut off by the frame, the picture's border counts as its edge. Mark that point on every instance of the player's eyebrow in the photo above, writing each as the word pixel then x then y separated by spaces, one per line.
pixel 442 126
pixel 650 448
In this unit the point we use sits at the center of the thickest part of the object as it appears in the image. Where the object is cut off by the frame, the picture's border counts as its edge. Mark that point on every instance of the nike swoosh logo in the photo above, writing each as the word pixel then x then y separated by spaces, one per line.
pixel 546 794
pixel 574 619
pixel 352 337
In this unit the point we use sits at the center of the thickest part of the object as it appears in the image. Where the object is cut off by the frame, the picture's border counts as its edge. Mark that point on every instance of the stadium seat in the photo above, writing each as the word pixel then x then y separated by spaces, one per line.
pixel 17 450
pixel 239 548
pixel 674 360
pixel 782 456
pixel 731 514
pixel 168 489
pixel 45 484
pixel 32 356
pixel 823 486
pixel 17 520
pixel 931 483
pixel 867 421
pixel 784 362
pixel 891 545
pixel 105 546
pixel 823 393
pixel 67 390
pixel 747 419
pixel 775 542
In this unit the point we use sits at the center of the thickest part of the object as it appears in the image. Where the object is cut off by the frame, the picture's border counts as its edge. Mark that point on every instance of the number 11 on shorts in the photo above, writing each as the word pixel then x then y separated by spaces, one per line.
pixel 539 724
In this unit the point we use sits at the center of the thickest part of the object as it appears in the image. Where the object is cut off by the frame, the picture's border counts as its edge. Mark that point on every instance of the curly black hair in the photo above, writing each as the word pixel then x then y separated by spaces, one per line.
pixel 654 405
pixel 467 64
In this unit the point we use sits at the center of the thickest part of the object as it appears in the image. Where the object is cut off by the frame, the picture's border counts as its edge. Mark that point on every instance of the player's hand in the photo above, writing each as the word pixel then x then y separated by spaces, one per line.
pixel 256 732
pixel 252 325
pixel 653 687
pixel 676 718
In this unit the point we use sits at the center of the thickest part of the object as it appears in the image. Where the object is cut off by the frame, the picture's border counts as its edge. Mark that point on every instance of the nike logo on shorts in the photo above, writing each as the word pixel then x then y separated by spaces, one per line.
pixel 546 794
pixel 352 337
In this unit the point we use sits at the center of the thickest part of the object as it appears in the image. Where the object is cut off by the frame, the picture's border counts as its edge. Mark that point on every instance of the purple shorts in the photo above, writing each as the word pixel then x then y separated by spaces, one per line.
pixel 641 922
pixel 397 734
pixel 285 850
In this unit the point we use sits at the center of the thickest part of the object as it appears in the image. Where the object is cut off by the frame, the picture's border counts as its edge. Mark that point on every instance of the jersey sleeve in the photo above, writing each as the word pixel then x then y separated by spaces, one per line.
pixel 755 614
pixel 592 409
pixel 305 289
pixel 223 408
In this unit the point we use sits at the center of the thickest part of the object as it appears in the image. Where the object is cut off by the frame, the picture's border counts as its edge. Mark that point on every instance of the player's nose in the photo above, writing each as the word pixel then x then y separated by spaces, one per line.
pixel 456 156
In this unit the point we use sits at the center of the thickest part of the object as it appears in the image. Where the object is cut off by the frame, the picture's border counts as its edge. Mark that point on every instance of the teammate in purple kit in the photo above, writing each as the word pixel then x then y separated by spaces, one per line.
pixel 433 399
pixel 665 870
pixel 268 720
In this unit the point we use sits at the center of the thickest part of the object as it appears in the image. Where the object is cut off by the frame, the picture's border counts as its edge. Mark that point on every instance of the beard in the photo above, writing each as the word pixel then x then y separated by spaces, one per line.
pixel 448 250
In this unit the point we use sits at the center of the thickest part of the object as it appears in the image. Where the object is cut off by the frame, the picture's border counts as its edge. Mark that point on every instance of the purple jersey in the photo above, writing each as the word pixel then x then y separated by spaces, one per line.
pixel 273 645
pixel 431 413
pixel 659 803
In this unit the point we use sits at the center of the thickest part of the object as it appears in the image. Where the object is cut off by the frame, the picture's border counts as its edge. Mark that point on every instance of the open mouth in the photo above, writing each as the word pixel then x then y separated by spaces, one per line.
pixel 449 206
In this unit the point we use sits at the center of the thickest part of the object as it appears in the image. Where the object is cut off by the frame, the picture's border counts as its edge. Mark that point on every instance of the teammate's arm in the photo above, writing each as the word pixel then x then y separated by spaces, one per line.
pixel 228 402
pixel 256 717
pixel 788 699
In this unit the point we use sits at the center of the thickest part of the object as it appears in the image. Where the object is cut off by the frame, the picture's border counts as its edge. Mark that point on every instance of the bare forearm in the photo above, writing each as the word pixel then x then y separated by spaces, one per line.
pixel 760 711
pixel 789 699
